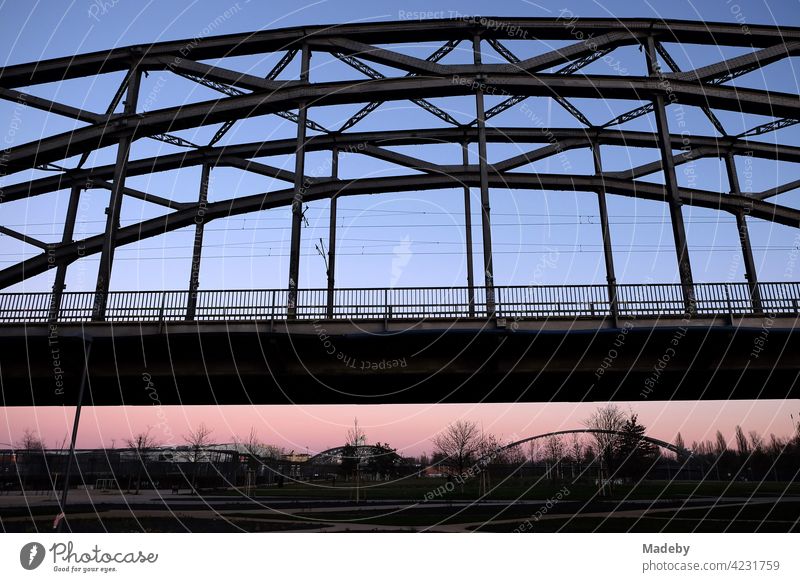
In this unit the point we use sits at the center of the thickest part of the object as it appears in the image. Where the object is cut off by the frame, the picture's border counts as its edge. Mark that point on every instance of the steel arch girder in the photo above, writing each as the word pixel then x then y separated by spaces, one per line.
pixel 681 31
pixel 361 451
pixel 567 138
pixel 663 444
pixel 325 189
pixel 260 103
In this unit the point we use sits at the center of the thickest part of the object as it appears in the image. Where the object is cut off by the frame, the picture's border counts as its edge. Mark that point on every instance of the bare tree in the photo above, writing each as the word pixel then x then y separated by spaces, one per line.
pixel 533 451
pixel 681 446
pixel 742 444
pixel 608 418
pixel 707 447
pixel 255 451
pixel 554 446
pixel 424 460
pixel 458 443
pixel 720 449
pixel 576 447
pixel 514 455
pixel 197 439
pixel 720 444
pixel 273 451
pixel 30 441
pixel 489 449
pixel 351 458
pixel 253 446
pixel 756 441
pixel 776 445
pixel 488 455
pixel 679 442
pixel 34 456
pixel 555 453
pixel 141 444
pixel 355 435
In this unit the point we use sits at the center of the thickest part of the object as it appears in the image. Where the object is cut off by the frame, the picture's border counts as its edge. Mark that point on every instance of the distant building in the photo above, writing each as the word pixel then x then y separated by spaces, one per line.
pixel 293 457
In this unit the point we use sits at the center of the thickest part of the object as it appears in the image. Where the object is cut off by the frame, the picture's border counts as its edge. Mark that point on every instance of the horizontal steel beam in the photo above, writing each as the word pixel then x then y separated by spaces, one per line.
pixel 574 51
pixel 52 106
pixel 731 68
pixel 788 187
pixel 259 168
pixel 24 238
pixel 535 64
pixel 653 167
pixel 221 75
pixel 404 160
pixel 380 55
pixel 145 196
pixel 539 154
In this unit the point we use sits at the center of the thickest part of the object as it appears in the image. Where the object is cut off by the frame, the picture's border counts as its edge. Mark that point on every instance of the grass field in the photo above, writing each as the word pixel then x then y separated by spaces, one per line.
pixel 512 505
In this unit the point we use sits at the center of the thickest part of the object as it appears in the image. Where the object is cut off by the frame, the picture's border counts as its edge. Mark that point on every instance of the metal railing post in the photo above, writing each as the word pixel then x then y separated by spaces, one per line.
pixel 385 309
pixel 730 305
pixel 498 307
pixel 272 311
pixel 161 309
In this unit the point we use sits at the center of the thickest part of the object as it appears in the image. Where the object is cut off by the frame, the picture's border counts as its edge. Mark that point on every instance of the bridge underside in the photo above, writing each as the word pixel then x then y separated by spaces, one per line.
pixel 197 363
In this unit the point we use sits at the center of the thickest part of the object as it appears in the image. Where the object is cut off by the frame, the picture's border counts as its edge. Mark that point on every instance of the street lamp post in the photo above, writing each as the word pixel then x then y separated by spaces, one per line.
pixel 87 350
pixel 3 483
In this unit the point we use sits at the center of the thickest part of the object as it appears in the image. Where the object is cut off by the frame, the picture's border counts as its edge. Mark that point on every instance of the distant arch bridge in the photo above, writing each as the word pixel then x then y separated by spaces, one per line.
pixel 335 454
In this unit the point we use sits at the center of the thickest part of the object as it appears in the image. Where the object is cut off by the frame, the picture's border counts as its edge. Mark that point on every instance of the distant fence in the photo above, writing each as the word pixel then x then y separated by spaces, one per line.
pixel 523 302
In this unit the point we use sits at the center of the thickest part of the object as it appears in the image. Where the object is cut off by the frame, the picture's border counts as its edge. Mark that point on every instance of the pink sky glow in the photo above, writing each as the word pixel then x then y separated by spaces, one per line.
pixel 409 428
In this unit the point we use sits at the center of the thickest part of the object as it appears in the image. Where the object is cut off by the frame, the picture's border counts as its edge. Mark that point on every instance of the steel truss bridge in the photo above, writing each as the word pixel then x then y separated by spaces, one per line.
pixel 479 342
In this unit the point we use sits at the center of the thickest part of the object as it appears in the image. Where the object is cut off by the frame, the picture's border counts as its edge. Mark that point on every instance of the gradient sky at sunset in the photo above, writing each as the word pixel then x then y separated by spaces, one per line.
pixel 246 251
pixel 408 428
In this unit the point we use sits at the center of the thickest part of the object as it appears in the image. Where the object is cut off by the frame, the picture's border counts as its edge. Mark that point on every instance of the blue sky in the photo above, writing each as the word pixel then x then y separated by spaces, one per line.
pixel 409 239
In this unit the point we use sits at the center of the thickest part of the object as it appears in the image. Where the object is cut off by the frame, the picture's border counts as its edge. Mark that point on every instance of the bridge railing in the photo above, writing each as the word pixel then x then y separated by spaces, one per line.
pixel 519 302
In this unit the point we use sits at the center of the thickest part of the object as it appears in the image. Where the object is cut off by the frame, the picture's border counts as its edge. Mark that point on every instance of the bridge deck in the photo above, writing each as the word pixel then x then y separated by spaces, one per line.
pixel 404 346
